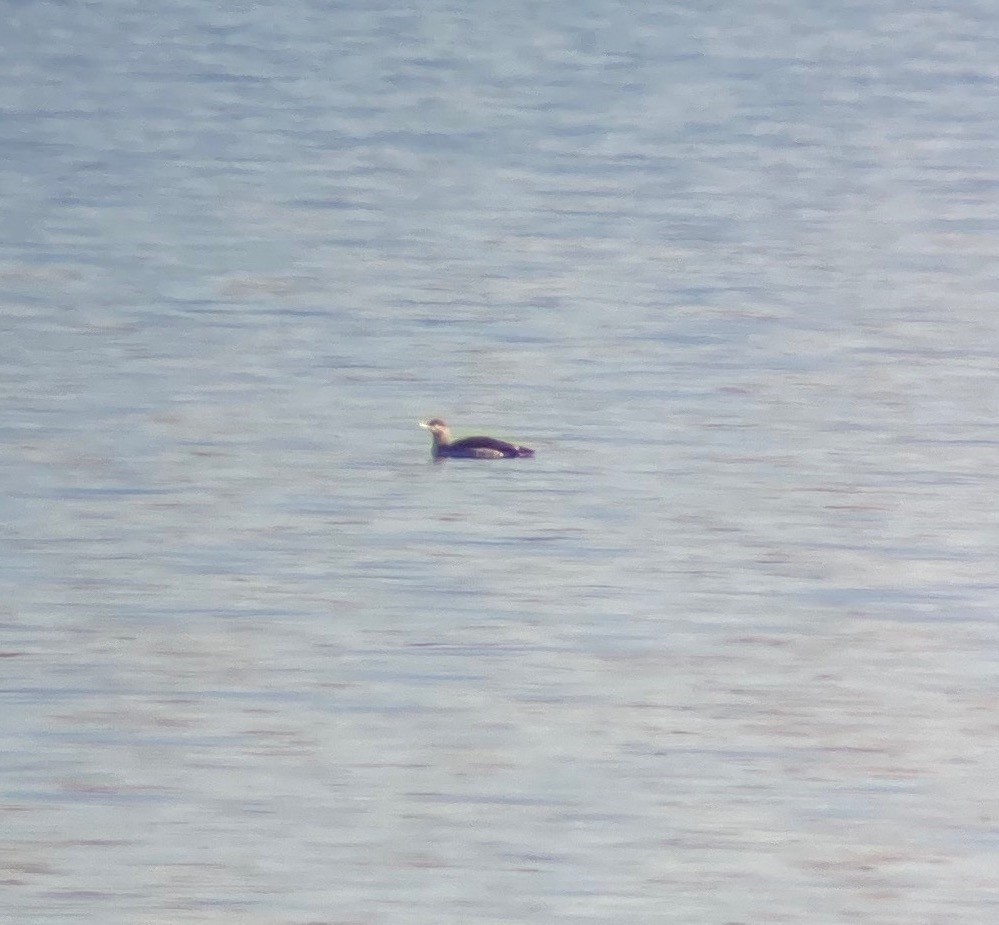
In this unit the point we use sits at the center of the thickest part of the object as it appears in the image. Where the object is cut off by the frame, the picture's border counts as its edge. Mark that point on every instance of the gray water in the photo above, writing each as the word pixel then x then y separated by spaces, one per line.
pixel 724 652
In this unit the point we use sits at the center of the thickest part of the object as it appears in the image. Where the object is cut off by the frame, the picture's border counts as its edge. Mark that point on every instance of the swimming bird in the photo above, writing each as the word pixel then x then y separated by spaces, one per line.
pixel 470 447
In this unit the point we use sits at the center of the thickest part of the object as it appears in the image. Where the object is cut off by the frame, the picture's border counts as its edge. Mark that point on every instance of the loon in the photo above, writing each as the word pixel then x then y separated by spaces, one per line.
pixel 470 447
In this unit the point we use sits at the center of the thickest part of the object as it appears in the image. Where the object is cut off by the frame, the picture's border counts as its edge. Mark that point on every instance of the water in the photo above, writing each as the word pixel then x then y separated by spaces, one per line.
pixel 723 652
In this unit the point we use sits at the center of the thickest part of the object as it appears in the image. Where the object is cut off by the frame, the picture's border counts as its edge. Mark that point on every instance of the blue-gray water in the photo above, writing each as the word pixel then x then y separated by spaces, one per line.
pixel 724 652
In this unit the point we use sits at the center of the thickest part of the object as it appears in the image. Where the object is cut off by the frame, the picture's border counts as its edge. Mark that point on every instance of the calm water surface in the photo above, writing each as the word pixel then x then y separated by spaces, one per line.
pixel 724 652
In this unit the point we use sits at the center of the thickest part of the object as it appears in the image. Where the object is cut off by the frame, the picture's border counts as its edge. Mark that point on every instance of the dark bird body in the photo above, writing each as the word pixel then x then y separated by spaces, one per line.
pixel 470 447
